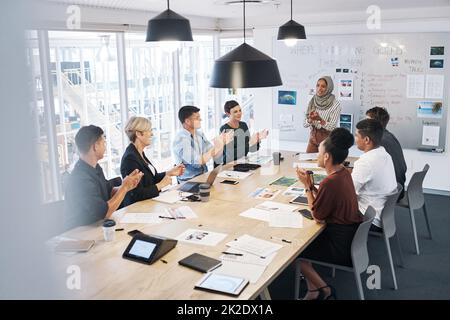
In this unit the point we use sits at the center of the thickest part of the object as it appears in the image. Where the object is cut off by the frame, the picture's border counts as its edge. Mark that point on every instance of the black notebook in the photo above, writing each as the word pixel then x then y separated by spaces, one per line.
pixel 200 262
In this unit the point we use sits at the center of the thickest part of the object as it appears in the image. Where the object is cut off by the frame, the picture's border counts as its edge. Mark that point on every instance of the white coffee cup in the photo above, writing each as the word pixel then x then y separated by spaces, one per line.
pixel 109 229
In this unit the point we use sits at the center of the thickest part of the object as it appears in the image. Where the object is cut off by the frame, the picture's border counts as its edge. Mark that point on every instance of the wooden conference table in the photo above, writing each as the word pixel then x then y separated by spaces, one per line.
pixel 106 275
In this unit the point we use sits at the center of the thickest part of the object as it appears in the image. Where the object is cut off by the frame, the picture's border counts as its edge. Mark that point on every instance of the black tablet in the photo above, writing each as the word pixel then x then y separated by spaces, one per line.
pixel 299 200
pixel 221 283
pixel 147 249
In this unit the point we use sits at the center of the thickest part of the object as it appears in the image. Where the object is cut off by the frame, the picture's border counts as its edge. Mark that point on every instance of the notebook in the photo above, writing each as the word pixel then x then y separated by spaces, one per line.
pixel 200 262
pixel 74 246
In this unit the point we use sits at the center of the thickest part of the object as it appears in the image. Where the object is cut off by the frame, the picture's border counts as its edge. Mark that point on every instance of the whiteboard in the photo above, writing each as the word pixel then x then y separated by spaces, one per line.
pixel 388 70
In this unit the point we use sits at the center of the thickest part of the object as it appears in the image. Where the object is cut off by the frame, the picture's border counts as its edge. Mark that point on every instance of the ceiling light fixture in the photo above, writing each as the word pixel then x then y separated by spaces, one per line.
pixel 291 32
pixel 245 67
pixel 169 26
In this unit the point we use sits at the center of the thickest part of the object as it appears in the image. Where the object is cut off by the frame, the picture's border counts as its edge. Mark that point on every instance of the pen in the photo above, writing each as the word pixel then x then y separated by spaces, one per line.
pixel 163 261
pixel 119 229
pixel 233 254
pixel 283 240
pixel 162 217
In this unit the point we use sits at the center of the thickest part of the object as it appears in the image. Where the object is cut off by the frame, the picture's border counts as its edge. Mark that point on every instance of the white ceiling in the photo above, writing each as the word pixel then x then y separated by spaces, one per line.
pixel 216 8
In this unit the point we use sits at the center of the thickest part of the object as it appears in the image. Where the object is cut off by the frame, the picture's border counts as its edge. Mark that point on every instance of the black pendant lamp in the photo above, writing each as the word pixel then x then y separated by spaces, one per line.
pixel 169 26
pixel 291 31
pixel 245 67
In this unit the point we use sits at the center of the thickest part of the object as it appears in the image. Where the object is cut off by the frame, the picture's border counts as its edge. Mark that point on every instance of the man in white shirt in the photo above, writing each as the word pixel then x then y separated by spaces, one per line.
pixel 373 174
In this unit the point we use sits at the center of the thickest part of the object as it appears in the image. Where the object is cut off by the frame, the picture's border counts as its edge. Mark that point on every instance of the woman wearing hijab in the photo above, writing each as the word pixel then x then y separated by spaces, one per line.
pixel 322 114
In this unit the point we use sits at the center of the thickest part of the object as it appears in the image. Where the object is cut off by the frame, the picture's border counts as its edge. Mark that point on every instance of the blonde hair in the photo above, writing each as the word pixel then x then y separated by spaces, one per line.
pixel 135 124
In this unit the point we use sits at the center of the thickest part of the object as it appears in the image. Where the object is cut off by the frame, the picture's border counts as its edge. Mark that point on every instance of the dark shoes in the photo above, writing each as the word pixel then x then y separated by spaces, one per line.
pixel 374 228
pixel 322 295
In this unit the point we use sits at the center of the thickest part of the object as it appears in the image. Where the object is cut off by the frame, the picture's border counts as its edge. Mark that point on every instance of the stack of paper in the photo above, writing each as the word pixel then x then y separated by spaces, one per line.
pixel 294 191
pixel 243 264
pixel 286 220
pixel 234 174
pixel 264 210
pixel 306 165
pixel 276 206
pixel 265 193
pixel 257 214
pixel 183 212
pixel 170 196
pixel 140 217
pixel 308 156
pixel 207 238
pixel 256 159
pixel 259 247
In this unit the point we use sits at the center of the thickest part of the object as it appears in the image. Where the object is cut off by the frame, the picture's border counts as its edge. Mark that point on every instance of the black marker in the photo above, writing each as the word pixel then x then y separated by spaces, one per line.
pixel 233 254
pixel 162 217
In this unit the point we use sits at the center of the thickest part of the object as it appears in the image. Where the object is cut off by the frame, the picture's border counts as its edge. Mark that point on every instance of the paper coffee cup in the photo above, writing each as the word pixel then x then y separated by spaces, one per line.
pixel 109 229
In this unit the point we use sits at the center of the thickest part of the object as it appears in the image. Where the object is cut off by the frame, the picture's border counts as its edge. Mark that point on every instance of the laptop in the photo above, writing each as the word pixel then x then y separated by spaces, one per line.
pixel 194 187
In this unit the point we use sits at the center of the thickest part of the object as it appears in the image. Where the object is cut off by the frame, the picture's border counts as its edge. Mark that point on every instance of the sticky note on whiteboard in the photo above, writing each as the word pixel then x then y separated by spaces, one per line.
pixel 286 118
pixel 430 136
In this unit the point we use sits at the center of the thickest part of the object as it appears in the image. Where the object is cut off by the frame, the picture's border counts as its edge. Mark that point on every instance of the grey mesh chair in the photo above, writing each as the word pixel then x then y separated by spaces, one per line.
pixel 54 217
pixel 359 254
pixel 387 218
pixel 414 200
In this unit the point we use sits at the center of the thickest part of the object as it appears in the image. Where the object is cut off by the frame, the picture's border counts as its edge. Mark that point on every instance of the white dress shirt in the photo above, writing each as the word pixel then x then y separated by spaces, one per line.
pixel 374 179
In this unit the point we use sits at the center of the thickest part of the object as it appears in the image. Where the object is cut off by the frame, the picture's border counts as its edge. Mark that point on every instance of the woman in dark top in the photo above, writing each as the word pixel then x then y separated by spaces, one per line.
pixel 336 204
pixel 243 143
pixel 139 131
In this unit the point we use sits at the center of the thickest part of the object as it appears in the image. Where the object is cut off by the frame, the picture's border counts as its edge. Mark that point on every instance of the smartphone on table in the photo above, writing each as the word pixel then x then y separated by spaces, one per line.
pixel 229 182
pixel 306 213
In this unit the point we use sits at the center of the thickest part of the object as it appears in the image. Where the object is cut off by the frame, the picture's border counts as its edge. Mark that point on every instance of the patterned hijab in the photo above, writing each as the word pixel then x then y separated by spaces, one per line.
pixel 324 102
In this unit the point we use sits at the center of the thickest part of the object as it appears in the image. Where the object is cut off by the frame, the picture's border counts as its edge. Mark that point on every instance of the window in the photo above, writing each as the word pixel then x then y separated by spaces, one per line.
pixel 196 62
pixel 85 81
pixel 151 93
pixel 85 88
pixel 244 97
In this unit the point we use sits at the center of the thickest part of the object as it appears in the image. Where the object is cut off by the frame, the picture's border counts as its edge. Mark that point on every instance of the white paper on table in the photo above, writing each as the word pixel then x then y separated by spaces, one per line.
pixel 415 85
pixel 257 159
pixel 234 174
pixel 306 165
pixel 265 193
pixel 247 257
pixel 434 88
pixel 286 220
pixel 257 214
pixel 252 272
pixel 170 196
pixel 140 217
pixel 204 237
pixel 430 136
pixel 274 206
pixel 308 156
pixel 183 212
pixel 294 191
pixel 269 170
pixel 254 245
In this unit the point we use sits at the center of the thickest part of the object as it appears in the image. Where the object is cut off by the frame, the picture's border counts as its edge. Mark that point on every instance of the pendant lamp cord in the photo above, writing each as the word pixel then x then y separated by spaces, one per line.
pixel 168 5
pixel 291 9
pixel 244 21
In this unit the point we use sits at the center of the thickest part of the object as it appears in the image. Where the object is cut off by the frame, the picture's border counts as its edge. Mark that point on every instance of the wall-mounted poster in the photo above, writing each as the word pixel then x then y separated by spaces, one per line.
pixel 436 63
pixel 345 89
pixel 287 97
pixel 346 121
pixel 429 109
pixel 437 51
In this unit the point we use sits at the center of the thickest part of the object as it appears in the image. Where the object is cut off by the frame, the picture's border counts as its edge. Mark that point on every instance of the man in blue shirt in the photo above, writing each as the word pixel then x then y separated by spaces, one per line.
pixel 192 148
